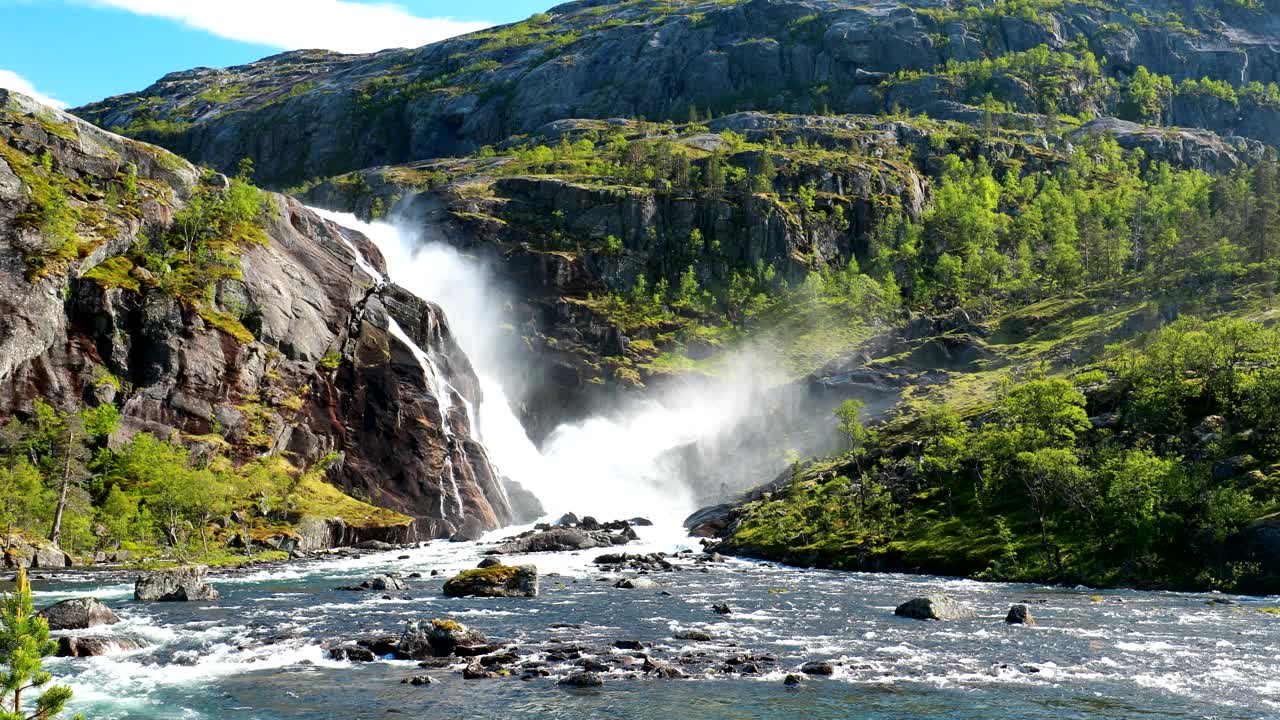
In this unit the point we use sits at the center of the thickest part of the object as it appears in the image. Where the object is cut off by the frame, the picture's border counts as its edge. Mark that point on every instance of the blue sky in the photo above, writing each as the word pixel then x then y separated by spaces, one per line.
pixel 78 51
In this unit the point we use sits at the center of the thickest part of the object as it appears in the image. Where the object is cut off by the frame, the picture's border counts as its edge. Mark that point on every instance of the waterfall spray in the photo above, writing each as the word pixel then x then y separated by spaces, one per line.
pixel 615 466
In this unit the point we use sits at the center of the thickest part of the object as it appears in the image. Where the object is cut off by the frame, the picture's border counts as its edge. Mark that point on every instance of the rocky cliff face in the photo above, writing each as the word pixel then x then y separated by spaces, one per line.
pixel 300 353
pixel 312 114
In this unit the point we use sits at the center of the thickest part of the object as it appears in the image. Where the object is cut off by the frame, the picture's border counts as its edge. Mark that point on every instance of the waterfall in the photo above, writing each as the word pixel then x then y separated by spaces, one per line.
pixel 611 467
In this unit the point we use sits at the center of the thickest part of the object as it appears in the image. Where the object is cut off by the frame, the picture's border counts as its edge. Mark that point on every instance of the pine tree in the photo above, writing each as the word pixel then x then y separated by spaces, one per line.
pixel 24 643
pixel 1264 222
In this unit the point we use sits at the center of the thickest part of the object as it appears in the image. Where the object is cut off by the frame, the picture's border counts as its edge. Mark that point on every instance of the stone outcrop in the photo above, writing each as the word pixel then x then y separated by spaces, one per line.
pixel 341 367
pixel 186 584
pixel 20 551
pixel 78 614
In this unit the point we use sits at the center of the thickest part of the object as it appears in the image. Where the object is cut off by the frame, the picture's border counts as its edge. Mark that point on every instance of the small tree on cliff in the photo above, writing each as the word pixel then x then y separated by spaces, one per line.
pixel 24 643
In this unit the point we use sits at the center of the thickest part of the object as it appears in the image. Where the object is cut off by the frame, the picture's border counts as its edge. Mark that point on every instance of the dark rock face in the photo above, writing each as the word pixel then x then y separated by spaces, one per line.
pixel 935 607
pixel 495 581
pixel 93 646
pixel 394 415
pixel 78 614
pixel 179 585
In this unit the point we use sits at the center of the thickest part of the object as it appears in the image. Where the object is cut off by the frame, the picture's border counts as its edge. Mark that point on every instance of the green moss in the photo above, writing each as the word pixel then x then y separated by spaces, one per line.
pixel 225 322
pixel 115 272
pixel 496 575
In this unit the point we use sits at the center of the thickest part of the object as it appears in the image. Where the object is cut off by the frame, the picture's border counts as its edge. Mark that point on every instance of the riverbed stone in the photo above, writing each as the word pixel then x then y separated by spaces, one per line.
pixel 78 614
pixel 1019 615
pixel 496 581
pixel 935 607
pixel 583 680
pixel 95 646
pixel 178 585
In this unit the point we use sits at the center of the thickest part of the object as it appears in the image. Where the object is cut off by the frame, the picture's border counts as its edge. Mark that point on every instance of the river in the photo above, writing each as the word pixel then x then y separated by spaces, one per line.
pixel 258 652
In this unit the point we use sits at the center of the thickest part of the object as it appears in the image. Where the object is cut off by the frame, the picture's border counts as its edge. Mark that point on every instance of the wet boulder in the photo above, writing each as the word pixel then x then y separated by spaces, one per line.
pixel 387 582
pixel 558 539
pixel 818 667
pixel 583 680
pixel 95 646
pixel 496 581
pixel 78 614
pixel 935 607
pixel 440 638
pixel 1019 615
pixel 637 583
pixel 722 609
pixel 352 653
pixel 185 584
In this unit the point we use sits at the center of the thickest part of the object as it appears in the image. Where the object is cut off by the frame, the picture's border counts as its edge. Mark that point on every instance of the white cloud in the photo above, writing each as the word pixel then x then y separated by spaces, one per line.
pixel 13 81
pixel 339 25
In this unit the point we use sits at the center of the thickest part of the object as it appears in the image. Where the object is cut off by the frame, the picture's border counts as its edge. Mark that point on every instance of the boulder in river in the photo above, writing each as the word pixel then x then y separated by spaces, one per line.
pixel 352 653
pixel 22 552
pixel 722 609
pixel 818 667
pixel 78 614
pixel 439 638
pixel 636 583
pixel 1019 615
pixel 935 607
pixel 177 585
pixel 560 539
pixel 489 562
pixel 583 680
pixel 387 582
pixel 94 646
pixel 497 581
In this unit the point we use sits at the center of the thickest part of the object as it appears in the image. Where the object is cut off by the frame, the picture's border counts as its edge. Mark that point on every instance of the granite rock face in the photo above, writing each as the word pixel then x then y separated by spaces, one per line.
pixel 341 367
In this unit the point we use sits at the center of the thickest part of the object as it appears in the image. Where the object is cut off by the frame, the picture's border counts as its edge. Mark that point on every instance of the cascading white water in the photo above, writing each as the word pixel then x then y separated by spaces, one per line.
pixel 606 466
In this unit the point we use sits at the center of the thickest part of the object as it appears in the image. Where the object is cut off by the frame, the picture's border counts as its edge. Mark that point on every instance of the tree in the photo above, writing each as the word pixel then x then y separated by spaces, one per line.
pixel 713 176
pixel 24 499
pixel 766 173
pixel 24 643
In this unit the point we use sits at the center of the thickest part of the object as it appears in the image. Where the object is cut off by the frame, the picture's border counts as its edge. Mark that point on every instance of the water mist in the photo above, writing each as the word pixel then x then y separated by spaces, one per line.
pixel 613 466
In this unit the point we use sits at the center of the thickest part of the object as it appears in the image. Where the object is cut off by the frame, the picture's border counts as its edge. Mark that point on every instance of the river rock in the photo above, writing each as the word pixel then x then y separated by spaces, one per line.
pixel 935 607
pixel 818 667
pixel 637 583
pixel 177 585
pixel 489 562
pixel 439 638
pixel 722 609
pixel 793 680
pixel 559 539
pixel 94 646
pixel 1019 615
pixel 352 653
pixel 387 582
pixel 417 680
pixel 78 614
pixel 497 581
pixel 694 635
pixel 583 680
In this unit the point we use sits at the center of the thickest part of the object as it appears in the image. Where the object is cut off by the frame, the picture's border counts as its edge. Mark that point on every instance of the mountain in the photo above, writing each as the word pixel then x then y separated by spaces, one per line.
pixel 236 321
pixel 1026 250
pixel 313 114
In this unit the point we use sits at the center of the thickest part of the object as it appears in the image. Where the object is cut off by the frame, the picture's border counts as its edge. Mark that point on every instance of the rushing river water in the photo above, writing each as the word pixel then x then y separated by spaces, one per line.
pixel 258 653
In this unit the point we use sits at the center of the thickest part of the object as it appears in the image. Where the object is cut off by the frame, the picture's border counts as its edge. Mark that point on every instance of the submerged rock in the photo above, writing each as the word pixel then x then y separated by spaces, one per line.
pixel 177 585
pixel 818 668
pixel 417 680
pixel 935 607
pixel 94 646
pixel 722 609
pixel 496 581
pixel 78 614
